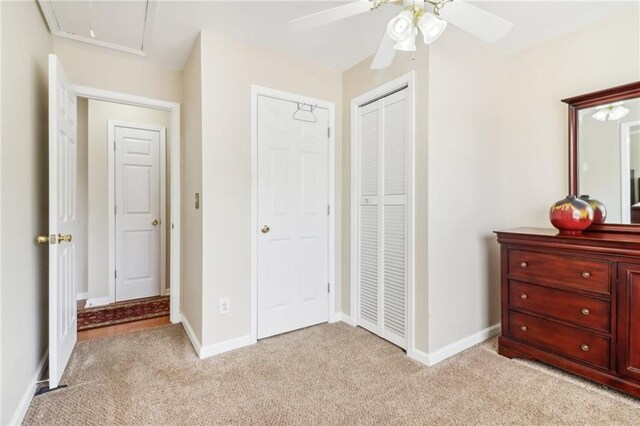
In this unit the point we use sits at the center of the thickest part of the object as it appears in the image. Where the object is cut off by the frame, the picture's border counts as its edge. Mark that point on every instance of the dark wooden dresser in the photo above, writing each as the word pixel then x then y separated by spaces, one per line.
pixel 573 302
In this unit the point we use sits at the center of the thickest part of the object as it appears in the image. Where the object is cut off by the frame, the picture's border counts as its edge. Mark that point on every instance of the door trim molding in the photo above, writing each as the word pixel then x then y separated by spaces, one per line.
pixel 256 91
pixel 111 228
pixel 381 91
pixel 175 180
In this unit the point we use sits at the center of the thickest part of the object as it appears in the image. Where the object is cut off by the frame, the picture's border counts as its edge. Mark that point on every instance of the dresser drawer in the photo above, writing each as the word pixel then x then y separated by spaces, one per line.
pixel 560 271
pixel 571 307
pixel 561 339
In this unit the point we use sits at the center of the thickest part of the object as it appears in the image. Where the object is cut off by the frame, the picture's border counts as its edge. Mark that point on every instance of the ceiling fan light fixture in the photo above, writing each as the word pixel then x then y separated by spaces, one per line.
pixel 431 27
pixel 408 45
pixel 617 112
pixel 611 112
pixel 401 27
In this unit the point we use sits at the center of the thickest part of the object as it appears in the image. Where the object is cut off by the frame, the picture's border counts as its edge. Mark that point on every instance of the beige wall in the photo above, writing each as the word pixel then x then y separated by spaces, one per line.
pixel 191 270
pixel 466 131
pixel 100 113
pixel 534 157
pixel 229 69
pixel 23 294
pixel 81 235
pixel 357 81
pixel 101 68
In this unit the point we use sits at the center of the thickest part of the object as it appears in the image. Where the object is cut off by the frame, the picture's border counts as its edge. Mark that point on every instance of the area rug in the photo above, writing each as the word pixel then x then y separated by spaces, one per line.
pixel 121 312
pixel 331 374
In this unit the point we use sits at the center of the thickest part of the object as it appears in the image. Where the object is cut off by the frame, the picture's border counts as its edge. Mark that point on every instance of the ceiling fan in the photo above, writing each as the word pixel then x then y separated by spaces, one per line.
pixel 430 17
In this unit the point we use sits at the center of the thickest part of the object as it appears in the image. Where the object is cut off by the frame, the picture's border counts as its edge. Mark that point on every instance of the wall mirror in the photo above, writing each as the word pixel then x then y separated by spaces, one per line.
pixel 604 152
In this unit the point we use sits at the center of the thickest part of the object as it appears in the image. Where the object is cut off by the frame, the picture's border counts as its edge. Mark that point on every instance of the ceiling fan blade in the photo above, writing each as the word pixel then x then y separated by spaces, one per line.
pixel 386 53
pixel 475 21
pixel 330 15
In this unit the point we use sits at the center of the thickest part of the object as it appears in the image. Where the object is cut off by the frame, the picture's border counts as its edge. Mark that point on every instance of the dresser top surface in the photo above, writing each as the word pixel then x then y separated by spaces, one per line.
pixel 586 236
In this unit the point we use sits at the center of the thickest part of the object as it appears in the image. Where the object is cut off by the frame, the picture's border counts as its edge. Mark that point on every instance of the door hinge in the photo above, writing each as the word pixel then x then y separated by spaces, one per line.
pixel 114 146
pixel 115 274
pixel 328 210
pixel 328 287
pixel 328 132
pixel 115 210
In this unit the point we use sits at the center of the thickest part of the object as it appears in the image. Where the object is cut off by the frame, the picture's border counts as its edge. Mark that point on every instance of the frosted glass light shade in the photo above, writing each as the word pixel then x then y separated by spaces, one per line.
pixel 400 28
pixel 611 112
pixel 432 27
pixel 617 112
pixel 408 45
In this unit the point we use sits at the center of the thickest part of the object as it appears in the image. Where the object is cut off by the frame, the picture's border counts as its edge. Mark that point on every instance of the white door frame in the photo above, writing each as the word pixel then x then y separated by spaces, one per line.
pixel 174 145
pixel 379 92
pixel 625 169
pixel 112 124
pixel 331 240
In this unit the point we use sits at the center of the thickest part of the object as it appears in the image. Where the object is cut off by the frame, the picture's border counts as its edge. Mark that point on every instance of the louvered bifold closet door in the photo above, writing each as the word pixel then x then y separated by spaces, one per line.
pixel 394 235
pixel 369 236
pixel 382 230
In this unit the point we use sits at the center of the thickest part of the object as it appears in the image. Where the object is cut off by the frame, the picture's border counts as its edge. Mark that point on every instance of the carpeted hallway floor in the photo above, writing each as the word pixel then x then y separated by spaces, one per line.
pixel 328 374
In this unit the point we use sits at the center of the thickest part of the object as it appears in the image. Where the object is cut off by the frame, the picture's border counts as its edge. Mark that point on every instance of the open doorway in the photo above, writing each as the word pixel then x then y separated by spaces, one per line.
pixel 124 214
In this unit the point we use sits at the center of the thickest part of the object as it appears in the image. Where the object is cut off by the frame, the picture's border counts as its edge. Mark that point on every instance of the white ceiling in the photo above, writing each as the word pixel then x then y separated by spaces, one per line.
pixel 172 26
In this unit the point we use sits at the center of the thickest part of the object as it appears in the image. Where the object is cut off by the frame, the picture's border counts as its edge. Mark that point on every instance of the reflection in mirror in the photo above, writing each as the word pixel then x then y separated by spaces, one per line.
pixel 608 152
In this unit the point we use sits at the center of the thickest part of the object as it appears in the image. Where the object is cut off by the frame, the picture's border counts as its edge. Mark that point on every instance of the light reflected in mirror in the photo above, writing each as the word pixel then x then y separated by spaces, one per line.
pixel 609 158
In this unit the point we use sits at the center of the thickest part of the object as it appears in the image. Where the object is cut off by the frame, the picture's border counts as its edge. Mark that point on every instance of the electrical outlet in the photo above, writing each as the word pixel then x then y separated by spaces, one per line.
pixel 225 307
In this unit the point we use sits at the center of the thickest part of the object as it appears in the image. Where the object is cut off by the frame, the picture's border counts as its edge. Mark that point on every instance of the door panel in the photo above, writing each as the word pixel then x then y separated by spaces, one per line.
pixel 292 202
pixel 137 207
pixel 62 220
pixel 629 320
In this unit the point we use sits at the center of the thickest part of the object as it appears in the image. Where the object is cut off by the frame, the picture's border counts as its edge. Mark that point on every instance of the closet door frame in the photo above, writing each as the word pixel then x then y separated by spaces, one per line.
pixel 379 92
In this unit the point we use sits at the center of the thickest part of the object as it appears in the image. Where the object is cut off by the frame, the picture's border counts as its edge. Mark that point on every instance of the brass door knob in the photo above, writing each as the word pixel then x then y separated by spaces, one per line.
pixel 45 239
pixel 586 274
pixel 155 222
pixel 523 264
pixel 523 328
pixel 265 229
pixel 585 311
pixel 523 296
pixel 585 348
pixel 64 237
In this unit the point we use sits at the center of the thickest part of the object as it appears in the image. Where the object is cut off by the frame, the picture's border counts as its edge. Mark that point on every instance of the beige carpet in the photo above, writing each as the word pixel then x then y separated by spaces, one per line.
pixel 328 374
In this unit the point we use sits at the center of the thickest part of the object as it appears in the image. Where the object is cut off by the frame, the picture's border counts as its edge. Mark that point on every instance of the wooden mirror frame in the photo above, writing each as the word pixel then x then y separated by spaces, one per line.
pixel 576 103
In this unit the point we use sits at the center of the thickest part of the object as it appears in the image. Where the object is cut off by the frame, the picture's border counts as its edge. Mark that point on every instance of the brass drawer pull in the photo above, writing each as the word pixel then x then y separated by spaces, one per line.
pixel 523 264
pixel 585 311
pixel 523 328
pixel 585 348
pixel 586 274
pixel 523 296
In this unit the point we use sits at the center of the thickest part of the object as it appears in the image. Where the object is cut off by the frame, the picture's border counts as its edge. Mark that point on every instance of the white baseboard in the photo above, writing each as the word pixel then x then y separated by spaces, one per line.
pixel 334 317
pixel 27 396
pixel 190 334
pixel 97 301
pixel 82 296
pixel 226 346
pixel 432 358
pixel 418 355
pixel 346 319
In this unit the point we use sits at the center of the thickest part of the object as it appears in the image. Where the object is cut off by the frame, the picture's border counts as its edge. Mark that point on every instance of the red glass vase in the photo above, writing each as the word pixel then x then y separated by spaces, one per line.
pixel 571 215
pixel 599 209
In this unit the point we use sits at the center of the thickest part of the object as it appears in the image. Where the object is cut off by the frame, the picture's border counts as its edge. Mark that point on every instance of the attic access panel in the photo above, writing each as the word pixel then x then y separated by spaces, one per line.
pixel 116 25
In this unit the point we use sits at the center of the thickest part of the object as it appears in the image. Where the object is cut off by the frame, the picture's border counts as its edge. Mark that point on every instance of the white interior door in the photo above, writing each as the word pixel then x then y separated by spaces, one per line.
pixel 292 217
pixel 137 210
pixel 382 229
pixel 62 220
